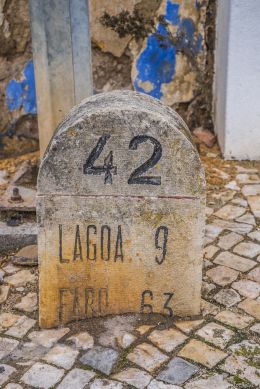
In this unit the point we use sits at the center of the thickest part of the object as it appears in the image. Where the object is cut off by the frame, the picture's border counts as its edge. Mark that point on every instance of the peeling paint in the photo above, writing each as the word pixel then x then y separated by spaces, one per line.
pixel 157 64
pixel 22 94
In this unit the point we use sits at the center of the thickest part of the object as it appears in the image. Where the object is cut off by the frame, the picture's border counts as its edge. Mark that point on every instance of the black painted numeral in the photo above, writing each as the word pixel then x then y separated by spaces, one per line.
pixel 108 169
pixel 161 234
pixel 166 306
pixel 136 177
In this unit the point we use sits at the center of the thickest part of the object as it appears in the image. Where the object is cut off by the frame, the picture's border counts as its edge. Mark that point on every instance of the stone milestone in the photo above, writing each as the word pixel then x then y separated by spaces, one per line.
pixel 120 205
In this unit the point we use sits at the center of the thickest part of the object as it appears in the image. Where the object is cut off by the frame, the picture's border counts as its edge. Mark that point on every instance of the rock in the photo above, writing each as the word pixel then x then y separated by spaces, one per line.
pixel 251 307
pixel 83 340
pixel 10 268
pixel 216 334
pixel 7 346
pixel 143 329
pixel 147 357
pixel 239 201
pixel 20 278
pixel 251 190
pixel 27 353
pixel 205 136
pixel 167 339
pixel 47 338
pixel 188 325
pixel 234 319
pixel 126 340
pixel 4 289
pixel 61 356
pixel 41 375
pixel 254 203
pixel 27 256
pixel 234 261
pixel 222 275
pixel 5 373
pixel 247 218
pixel 28 303
pixel 13 386
pixel 210 251
pixel 135 377
pixel 229 240
pixel 207 288
pixel 229 212
pixel 247 249
pixel 7 320
pixel 247 288
pixel 21 327
pixel 244 362
pixel 100 358
pixel 78 210
pixel 254 274
pixel 177 371
pixel 255 235
pixel 232 185
pixel 200 352
pixel 255 328
pixel 239 228
pixel 12 238
pixel 227 297
pixel 208 308
pixel 244 178
pixel 105 384
pixel 215 381
pixel 155 384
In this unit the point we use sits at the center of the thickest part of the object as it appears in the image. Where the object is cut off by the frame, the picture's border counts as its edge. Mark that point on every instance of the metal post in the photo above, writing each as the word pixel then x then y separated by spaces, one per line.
pixel 62 60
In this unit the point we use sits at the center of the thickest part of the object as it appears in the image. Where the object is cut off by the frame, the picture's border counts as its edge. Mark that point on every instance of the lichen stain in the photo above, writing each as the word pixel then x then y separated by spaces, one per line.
pixel 22 94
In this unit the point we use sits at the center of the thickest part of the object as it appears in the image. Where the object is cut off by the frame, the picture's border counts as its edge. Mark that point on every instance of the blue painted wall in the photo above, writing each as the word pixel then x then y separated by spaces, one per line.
pixel 21 94
pixel 157 63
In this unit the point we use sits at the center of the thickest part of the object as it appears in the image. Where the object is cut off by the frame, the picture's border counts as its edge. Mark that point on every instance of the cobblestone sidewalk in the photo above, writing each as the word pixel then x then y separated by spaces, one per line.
pixel 219 350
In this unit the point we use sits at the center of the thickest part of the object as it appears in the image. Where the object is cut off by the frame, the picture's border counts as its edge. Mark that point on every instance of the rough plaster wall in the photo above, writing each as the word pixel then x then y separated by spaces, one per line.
pixel 117 63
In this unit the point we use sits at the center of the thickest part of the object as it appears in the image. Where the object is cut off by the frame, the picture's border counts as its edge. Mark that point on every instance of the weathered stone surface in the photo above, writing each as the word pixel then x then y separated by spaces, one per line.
pixel 27 353
pixel 83 340
pixel 254 274
pixel 247 249
pixel 239 228
pixel 5 373
pixel 7 320
pixel 77 379
pixel 143 329
pixel 21 327
pixel 126 340
pixel 227 297
pixel 12 385
pixel 7 346
pixel 247 218
pixel 215 381
pixel 20 278
pixel 209 308
pixel 100 358
pixel 247 288
pixel 256 328
pixel 167 339
pixel 177 371
pixel 47 338
pixel 210 251
pixel 251 307
pixel 155 384
pixel 106 384
pixel 127 220
pixel 61 356
pixel 251 190
pixel 229 212
pixel 42 376
pixel 216 334
pixel 222 275
pixel 202 353
pixel 12 238
pixel 27 256
pixel 188 325
pixel 28 303
pixel 234 319
pixel 135 377
pixel 255 235
pixel 234 261
pixel 229 240
pixel 244 362
pixel 147 356
pixel 4 289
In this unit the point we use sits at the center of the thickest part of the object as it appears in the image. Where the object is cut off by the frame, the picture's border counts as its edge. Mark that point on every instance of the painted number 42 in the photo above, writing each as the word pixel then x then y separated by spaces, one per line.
pixel 108 168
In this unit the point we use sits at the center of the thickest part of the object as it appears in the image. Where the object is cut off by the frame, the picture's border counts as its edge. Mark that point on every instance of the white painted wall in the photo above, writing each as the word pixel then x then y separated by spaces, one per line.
pixel 237 78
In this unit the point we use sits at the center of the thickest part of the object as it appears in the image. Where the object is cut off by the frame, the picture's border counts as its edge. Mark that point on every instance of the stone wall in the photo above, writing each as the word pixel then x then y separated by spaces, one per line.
pixel 179 75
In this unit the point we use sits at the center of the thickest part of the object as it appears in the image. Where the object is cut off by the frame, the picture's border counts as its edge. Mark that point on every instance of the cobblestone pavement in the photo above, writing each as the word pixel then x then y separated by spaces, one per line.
pixel 220 349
